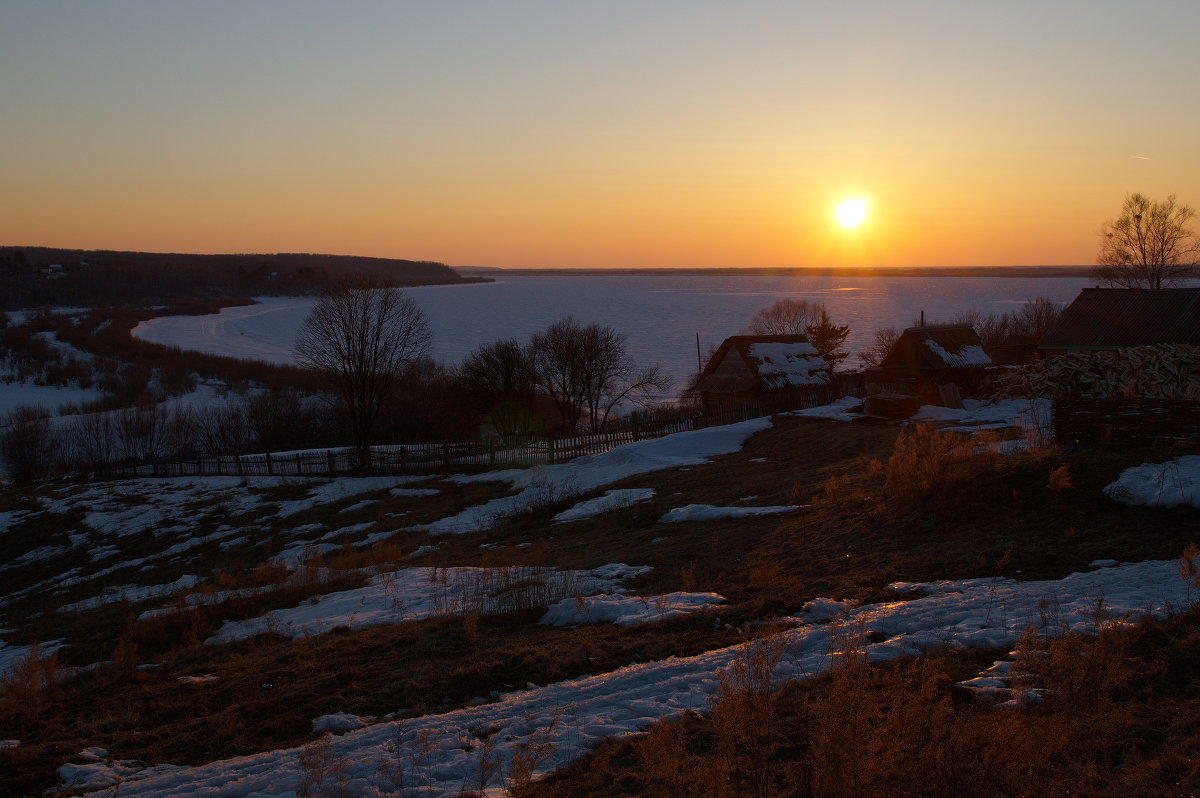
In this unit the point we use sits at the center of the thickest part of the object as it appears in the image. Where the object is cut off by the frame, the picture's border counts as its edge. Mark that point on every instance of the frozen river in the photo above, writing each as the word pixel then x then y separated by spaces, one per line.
pixel 660 315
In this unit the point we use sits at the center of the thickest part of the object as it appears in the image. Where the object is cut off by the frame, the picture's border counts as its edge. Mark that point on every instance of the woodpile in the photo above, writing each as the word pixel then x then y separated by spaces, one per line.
pixel 1162 371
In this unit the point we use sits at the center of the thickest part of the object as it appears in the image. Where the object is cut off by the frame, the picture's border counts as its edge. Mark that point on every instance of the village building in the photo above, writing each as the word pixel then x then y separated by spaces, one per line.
pixel 753 369
pixel 1114 318
pixel 930 364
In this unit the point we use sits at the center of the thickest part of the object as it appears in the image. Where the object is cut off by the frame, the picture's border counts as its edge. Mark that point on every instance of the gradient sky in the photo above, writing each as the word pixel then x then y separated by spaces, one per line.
pixel 625 134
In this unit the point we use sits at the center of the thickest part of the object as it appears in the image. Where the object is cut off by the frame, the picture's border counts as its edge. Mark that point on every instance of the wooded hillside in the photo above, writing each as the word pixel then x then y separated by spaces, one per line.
pixel 35 276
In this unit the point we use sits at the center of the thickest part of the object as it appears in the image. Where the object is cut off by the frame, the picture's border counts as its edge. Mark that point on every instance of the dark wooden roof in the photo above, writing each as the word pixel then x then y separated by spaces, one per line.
pixel 938 347
pixel 1111 318
pixel 799 366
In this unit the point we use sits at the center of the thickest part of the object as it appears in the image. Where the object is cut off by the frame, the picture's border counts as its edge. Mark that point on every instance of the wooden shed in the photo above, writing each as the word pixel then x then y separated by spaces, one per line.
pixel 927 360
pixel 1114 318
pixel 751 368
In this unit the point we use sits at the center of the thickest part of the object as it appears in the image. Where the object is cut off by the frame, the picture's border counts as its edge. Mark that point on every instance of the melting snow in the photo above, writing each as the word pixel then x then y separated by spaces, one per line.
pixel 969 355
pixel 552 483
pixel 626 610
pixel 707 512
pixel 574 716
pixel 611 500
pixel 414 593
pixel 837 410
pixel 1168 484
pixel 781 365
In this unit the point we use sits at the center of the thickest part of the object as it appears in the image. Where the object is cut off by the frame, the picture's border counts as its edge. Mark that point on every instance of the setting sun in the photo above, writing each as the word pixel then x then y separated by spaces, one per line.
pixel 851 212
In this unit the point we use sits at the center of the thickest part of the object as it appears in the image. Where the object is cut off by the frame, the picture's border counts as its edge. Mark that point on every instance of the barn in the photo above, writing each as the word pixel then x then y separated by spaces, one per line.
pixel 780 370
pixel 1115 318
pixel 930 364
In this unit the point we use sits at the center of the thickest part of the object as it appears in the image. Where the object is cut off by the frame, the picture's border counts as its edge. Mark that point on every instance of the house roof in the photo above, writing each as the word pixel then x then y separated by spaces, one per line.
pixel 937 347
pixel 774 361
pixel 1111 318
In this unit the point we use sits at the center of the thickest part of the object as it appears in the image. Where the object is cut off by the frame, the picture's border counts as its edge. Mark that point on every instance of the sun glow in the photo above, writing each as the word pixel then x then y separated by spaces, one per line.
pixel 851 212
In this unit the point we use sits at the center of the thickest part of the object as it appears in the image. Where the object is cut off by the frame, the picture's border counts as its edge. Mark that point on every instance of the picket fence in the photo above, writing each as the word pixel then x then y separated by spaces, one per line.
pixel 446 456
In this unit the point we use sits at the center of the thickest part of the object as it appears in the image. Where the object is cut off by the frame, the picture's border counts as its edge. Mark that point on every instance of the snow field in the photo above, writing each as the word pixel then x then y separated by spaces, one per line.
pixel 576 715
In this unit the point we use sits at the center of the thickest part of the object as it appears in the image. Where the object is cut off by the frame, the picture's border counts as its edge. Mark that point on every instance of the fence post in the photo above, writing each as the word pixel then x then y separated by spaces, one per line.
pixel 551 452
pixel 270 468
pixel 299 467
pixel 446 456
pixel 492 453
pixel 237 461
pixel 329 459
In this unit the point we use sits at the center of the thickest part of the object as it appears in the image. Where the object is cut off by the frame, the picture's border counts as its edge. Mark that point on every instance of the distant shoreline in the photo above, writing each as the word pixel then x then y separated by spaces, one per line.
pixel 801 271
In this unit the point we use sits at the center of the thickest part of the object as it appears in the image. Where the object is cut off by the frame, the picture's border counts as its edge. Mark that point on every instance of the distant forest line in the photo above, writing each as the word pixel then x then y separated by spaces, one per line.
pixel 39 276
pixel 804 271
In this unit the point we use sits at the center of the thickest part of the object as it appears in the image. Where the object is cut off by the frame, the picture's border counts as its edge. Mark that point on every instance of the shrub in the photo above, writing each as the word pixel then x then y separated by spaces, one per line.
pixel 926 465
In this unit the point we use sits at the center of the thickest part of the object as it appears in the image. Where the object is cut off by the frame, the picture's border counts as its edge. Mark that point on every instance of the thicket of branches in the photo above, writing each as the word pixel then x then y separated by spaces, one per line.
pixel 584 370
pixel 1024 324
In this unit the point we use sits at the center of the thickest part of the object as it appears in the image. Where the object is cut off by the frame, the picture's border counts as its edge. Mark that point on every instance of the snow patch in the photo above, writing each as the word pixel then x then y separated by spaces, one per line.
pixel 707 512
pixel 626 610
pixel 611 500
pixel 1170 484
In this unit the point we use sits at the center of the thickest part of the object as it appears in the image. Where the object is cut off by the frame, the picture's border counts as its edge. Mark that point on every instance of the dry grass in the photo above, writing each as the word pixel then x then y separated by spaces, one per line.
pixel 850 542
pixel 904 729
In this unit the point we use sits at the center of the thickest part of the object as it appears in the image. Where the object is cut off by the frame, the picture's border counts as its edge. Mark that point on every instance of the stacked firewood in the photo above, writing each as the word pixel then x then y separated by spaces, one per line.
pixel 1162 371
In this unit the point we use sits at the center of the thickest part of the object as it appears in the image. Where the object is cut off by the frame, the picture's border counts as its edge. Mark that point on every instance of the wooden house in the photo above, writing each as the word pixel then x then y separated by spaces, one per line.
pixel 935 364
pixel 1113 318
pixel 752 368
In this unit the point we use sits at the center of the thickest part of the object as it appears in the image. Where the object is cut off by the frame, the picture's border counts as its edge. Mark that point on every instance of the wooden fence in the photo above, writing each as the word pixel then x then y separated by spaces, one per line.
pixel 1127 421
pixel 444 457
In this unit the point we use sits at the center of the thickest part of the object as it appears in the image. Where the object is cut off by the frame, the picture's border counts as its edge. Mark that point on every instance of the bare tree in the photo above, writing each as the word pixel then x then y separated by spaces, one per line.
pixel 1028 322
pixel 1150 245
pixel 92 437
pixel 881 343
pixel 223 429
pixel 785 317
pixel 30 446
pixel 586 370
pixel 496 371
pixel 798 317
pixel 363 338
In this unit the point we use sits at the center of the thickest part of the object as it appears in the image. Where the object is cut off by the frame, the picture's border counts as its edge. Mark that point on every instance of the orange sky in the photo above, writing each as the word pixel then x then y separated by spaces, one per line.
pixel 673 134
